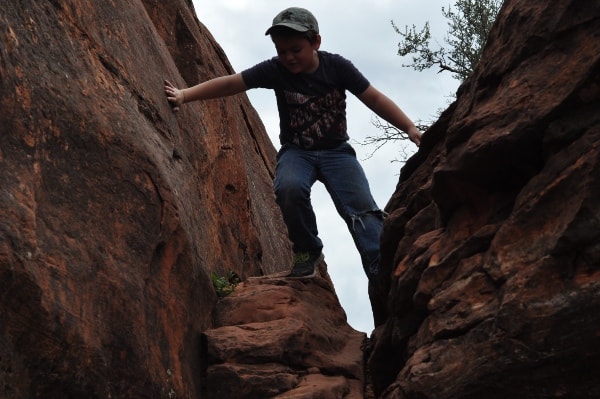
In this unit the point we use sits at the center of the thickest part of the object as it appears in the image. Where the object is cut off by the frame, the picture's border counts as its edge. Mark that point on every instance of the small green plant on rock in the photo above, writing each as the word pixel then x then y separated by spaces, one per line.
pixel 225 285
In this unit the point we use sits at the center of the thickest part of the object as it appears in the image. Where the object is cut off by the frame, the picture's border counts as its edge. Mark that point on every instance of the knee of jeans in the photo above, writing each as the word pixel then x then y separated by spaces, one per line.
pixel 360 219
pixel 290 189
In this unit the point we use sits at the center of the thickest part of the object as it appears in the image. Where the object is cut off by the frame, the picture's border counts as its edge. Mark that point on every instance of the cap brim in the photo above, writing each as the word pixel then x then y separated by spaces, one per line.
pixel 296 27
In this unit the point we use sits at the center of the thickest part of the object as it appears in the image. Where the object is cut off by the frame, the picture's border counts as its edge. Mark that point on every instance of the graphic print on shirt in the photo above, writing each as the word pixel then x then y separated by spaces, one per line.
pixel 315 119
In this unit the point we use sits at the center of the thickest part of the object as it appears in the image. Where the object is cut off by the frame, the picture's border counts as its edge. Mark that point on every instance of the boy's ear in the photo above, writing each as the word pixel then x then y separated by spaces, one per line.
pixel 317 42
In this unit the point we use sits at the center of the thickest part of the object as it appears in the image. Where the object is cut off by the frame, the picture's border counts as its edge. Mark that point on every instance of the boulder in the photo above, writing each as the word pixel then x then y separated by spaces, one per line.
pixel 490 253
pixel 283 337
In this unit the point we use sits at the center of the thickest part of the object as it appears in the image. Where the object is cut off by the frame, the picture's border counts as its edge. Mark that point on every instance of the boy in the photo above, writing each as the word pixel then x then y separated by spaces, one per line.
pixel 310 87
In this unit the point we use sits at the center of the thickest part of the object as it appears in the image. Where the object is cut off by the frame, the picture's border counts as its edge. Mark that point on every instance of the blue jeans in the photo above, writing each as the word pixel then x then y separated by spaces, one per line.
pixel 338 169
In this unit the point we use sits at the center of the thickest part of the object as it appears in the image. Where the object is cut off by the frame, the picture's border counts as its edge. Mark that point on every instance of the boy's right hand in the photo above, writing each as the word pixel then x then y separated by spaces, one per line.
pixel 174 95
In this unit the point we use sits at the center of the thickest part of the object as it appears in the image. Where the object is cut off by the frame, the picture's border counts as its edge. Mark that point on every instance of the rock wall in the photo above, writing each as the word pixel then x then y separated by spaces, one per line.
pixel 491 250
pixel 114 211
pixel 279 337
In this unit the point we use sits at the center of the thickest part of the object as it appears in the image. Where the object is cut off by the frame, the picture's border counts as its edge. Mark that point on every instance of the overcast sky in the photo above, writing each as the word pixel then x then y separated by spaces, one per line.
pixel 362 32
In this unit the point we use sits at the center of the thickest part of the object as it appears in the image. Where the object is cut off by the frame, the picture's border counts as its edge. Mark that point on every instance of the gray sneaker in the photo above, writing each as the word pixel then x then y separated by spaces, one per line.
pixel 305 264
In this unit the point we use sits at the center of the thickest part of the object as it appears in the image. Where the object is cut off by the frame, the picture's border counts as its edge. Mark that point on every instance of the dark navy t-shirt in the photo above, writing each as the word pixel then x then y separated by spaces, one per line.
pixel 312 106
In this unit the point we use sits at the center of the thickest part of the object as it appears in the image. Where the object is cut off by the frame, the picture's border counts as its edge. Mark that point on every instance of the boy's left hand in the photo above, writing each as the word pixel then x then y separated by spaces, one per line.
pixel 414 135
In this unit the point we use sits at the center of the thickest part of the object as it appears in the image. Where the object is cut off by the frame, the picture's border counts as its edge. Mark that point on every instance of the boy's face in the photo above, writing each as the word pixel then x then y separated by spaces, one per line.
pixel 296 53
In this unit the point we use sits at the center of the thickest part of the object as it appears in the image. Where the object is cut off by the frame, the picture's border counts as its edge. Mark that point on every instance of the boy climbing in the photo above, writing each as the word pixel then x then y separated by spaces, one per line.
pixel 310 87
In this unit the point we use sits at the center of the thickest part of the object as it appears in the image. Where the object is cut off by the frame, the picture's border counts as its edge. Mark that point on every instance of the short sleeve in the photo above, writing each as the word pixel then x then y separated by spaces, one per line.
pixel 261 75
pixel 352 79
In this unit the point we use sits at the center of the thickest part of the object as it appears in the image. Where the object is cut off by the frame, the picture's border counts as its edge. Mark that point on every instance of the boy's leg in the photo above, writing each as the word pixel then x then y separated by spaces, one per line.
pixel 294 176
pixel 347 184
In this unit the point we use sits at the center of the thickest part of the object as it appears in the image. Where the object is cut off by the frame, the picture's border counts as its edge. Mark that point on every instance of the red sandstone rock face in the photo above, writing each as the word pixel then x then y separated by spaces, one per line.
pixel 113 210
pixel 283 338
pixel 492 244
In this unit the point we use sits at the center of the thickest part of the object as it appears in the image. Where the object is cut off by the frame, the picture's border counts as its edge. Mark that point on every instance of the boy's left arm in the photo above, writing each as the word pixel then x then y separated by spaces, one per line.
pixel 385 108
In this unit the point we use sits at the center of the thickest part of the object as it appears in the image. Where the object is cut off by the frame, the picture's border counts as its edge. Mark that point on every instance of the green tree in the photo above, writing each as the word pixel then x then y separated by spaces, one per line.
pixel 469 23
pixel 468 28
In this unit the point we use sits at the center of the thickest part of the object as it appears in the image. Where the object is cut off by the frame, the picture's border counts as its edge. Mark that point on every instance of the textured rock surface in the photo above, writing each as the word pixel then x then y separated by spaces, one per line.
pixel 114 213
pixel 492 246
pixel 113 210
pixel 284 338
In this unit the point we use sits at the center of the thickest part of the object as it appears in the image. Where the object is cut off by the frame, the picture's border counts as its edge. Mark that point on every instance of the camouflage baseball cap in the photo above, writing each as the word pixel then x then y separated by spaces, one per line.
pixel 295 18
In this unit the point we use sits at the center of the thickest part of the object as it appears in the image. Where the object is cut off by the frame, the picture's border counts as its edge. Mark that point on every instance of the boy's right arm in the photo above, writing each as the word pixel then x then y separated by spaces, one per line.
pixel 214 88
